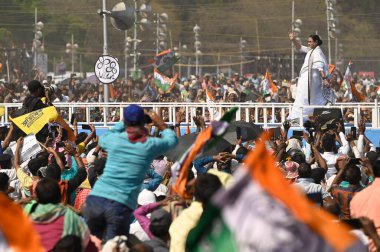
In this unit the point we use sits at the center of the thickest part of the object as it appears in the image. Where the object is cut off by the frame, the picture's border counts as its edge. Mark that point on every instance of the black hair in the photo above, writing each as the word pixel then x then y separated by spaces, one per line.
pixel 242 150
pixel 4 182
pixel 62 157
pixel 34 165
pixel 304 170
pixel 296 155
pixel 69 243
pixel 353 175
pixel 316 38
pixel 48 191
pixel 328 143
pixel 318 174
pixel 92 146
pixel 376 168
pixel 99 164
pixel 81 137
pixel 6 164
pixel 53 171
pixel 206 186
pixel 190 174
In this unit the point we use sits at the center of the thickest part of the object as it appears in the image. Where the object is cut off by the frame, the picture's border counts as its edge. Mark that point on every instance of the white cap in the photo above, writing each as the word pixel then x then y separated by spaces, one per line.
pixel 161 190
pixel 146 197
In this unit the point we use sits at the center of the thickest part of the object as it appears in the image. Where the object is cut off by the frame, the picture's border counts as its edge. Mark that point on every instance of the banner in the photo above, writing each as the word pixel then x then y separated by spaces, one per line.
pixel 34 121
pixel 30 148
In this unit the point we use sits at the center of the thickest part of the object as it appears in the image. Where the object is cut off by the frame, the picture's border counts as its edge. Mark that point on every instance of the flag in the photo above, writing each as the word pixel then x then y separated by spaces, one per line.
pixel 17 231
pixel 70 133
pixel 34 121
pixel 214 112
pixel 179 169
pixel 165 60
pixel 163 82
pixel 351 89
pixel 273 87
pixel 331 68
pixel 261 211
pixel 2 111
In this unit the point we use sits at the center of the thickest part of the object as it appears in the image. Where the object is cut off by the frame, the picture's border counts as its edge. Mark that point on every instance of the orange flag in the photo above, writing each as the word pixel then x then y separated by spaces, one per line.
pixel 17 228
pixel 273 87
pixel 331 68
pixel 111 91
pixel 359 96
pixel 261 165
pixel 180 185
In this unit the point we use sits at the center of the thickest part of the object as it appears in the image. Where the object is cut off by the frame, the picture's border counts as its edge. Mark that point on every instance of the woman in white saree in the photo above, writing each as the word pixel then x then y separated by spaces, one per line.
pixel 312 86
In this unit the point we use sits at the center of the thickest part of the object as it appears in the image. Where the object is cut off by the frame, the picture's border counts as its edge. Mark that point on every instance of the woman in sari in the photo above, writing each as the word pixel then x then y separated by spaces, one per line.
pixel 312 87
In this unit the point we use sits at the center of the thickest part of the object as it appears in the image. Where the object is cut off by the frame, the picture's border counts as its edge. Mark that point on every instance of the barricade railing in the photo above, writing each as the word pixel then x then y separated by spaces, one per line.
pixel 265 114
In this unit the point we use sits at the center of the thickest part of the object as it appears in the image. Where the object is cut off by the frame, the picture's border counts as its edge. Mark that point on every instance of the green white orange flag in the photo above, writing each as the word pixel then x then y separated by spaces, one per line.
pixel 163 82
pixel 261 211
pixel 208 136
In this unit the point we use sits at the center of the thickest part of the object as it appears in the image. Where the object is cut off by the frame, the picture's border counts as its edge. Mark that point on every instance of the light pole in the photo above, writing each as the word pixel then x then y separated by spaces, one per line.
pixel 331 24
pixel 71 48
pixel 197 46
pixel 38 36
pixel 161 31
pixel 126 52
pixel 178 53
pixel 242 45
pixel 296 28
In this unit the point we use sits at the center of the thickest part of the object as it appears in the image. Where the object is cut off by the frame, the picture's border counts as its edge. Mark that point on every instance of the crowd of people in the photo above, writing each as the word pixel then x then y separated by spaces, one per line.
pixel 114 192
pixel 248 88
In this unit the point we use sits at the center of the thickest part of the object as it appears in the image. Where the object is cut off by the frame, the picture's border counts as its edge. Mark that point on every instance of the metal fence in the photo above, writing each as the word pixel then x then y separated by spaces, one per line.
pixel 265 114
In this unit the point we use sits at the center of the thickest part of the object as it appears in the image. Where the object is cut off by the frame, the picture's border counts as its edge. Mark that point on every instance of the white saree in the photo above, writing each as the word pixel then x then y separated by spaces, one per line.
pixel 310 76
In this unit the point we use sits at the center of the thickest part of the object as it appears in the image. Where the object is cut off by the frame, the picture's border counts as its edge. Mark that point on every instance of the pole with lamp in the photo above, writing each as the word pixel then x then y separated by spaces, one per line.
pixel 242 45
pixel 197 46
pixel 72 48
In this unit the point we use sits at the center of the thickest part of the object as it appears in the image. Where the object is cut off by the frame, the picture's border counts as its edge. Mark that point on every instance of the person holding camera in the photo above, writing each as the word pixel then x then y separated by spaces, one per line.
pixel 130 151
pixel 34 100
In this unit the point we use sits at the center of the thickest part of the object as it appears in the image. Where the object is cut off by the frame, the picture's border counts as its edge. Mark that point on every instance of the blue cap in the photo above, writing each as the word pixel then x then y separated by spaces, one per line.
pixel 133 114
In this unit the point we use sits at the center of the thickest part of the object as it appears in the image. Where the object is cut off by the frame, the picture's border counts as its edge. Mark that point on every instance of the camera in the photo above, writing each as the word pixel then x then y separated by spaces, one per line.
pixel 51 89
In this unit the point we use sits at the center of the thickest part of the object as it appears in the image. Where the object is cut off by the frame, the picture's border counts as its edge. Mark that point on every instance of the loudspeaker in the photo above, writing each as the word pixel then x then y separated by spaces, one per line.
pixel 328 116
pixel 122 16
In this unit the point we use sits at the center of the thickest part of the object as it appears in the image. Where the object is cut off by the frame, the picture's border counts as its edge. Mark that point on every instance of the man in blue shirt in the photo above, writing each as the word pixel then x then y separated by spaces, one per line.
pixel 130 152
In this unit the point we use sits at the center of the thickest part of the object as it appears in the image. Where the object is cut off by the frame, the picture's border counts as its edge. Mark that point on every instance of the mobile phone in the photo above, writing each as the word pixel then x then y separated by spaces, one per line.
pixel 73 115
pixel 354 223
pixel 298 133
pixel 86 127
pixel 355 161
pixel 60 145
pixel 353 130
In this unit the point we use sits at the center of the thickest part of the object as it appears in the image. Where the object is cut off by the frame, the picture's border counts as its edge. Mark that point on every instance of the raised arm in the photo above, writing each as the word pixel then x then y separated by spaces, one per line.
pixel 292 37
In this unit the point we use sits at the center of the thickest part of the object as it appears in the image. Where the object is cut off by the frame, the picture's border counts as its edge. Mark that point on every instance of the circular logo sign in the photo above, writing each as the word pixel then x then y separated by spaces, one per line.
pixel 107 69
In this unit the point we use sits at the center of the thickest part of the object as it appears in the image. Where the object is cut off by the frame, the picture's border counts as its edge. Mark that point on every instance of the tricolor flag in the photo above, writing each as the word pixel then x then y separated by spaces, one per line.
pixel 163 82
pixel 268 86
pixel 214 112
pixel 165 60
pixel 180 168
pixel 261 211
pixel 351 89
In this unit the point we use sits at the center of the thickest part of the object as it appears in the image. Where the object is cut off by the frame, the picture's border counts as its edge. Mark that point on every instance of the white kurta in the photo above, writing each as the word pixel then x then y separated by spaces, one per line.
pixel 317 60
